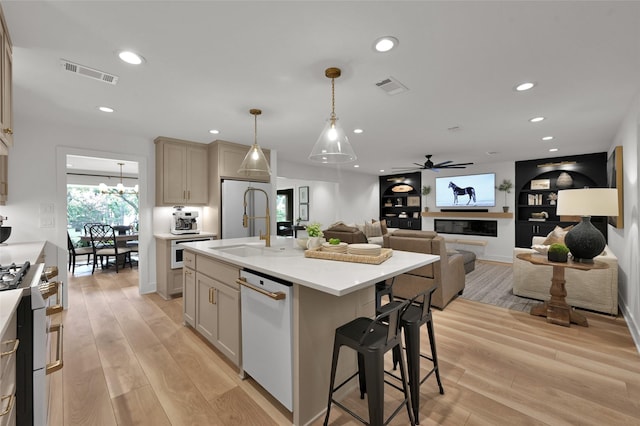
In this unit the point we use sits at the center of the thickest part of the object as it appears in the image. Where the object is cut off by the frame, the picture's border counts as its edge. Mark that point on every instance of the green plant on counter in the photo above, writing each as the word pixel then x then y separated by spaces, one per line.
pixel 426 190
pixel 313 230
pixel 334 241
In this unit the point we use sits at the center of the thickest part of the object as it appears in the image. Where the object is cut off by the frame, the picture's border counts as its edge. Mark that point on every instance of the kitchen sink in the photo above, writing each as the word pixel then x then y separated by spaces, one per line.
pixel 249 250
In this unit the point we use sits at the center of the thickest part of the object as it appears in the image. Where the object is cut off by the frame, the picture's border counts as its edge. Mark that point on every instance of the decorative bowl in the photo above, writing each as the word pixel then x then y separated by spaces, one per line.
pixel 5 233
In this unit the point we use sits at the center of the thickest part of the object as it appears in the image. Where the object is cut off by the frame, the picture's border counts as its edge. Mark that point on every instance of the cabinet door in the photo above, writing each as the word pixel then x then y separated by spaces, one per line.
pixel 197 177
pixel 6 93
pixel 218 315
pixel 4 177
pixel 175 281
pixel 228 339
pixel 174 162
pixel 207 308
pixel 189 296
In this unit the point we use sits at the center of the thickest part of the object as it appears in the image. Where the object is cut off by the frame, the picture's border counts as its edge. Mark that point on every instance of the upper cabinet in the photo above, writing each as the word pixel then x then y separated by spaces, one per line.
pixel 6 92
pixel 229 158
pixel 181 172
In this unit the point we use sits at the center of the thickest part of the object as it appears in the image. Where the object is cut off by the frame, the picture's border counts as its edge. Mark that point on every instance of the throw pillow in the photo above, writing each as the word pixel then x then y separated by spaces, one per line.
pixel 372 229
pixel 383 225
pixel 557 235
pixel 540 248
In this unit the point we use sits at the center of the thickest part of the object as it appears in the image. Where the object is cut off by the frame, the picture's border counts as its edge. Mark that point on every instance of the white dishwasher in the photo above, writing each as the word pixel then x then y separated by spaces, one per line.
pixel 267 316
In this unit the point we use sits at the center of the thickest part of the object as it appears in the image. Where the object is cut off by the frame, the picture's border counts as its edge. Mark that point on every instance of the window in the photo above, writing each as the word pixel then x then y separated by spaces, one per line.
pixel 284 205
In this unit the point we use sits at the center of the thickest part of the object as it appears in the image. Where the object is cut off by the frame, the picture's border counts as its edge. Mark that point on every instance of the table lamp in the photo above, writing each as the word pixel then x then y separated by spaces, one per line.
pixel 584 240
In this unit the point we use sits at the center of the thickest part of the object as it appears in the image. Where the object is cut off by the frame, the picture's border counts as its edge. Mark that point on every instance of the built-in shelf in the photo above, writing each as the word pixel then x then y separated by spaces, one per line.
pixel 493 215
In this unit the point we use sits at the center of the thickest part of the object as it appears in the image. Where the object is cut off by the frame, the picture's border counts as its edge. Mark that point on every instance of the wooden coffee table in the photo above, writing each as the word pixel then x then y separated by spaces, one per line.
pixel 556 308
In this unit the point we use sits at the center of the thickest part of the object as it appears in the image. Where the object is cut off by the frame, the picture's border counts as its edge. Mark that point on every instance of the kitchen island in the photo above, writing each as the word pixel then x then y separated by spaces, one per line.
pixel 326 294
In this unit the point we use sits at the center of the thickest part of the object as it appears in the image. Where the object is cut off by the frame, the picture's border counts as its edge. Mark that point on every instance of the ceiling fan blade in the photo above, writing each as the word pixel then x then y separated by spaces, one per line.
pixel 443 163
pixel 454 167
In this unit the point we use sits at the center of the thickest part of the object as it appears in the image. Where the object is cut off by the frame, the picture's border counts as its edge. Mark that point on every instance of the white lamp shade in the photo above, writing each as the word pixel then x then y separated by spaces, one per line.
pixel 332 147
pixel 255 163
pixel 588 202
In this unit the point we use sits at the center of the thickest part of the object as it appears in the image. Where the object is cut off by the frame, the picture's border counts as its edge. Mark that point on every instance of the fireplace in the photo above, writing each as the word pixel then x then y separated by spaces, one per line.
pixel 485 228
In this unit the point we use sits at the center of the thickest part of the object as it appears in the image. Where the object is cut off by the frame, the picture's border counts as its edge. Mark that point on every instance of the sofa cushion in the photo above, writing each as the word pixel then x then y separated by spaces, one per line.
pixel 557 235
pixel 372 229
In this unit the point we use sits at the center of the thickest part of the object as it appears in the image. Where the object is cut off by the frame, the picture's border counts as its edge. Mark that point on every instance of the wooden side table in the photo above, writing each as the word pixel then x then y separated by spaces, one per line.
pixel 556 308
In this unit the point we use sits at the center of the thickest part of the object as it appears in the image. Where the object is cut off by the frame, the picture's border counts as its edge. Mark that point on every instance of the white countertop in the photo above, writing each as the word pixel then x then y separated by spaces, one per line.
pixel 169 236
pixel 9 300
pixel 286 261
pixel 20 252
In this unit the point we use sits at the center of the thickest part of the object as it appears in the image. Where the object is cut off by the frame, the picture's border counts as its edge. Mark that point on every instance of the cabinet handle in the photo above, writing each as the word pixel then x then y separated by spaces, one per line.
pixel 7 130
pixel 186 272
pixel 9 404
pixel 212 296
pixel 188 194
pixel 279 295
pixel 15 342
pixel 57 364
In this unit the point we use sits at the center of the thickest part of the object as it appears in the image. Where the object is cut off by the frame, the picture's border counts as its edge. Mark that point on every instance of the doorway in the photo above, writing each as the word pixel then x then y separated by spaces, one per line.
pixel 146 271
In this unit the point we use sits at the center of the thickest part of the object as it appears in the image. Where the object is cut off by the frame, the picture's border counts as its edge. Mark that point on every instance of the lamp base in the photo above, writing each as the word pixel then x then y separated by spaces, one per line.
pixel 585 241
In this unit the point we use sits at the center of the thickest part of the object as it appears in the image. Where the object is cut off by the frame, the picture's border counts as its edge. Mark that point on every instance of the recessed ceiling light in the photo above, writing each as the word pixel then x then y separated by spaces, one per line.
pixel 356 165
pixel 524 86
pixel 536 119
pixel 553 149
pixel 214 131
pixel 130 57
pixel 69 165
pixel 105 109
pixel 357 131
pixel 492 152
pixel 547 138
pixel 381 170
pixel 385 44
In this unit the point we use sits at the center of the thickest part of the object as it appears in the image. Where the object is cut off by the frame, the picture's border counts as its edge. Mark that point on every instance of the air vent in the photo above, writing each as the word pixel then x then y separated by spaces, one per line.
pixel 392 86
pixel 88 72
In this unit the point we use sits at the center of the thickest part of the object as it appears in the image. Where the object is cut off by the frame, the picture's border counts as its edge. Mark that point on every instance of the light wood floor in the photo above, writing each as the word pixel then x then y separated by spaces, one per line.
pixel 129 361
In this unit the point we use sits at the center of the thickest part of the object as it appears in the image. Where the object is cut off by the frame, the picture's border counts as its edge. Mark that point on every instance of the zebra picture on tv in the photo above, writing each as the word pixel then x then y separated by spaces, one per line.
pixel 466 191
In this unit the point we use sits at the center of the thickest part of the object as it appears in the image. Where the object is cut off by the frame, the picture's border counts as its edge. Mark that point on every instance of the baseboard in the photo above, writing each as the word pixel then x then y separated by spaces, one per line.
pixel 634 327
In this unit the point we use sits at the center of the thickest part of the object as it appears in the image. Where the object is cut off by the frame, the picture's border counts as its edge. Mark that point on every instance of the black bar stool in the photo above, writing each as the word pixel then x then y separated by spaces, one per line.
pixel 417 313
pixel 371 339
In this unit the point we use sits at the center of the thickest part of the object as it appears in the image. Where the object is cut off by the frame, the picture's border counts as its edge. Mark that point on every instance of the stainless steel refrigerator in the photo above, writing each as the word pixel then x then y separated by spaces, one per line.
pixel 232 208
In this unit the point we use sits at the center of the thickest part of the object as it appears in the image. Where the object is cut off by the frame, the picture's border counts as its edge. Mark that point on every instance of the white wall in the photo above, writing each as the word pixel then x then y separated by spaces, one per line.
pixel 37 181
pixel 498 248
pixel 334 193
pixel 625 243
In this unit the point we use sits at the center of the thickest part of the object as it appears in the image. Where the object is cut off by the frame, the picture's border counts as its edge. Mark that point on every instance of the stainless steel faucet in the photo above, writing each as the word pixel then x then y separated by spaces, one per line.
pixel 267 218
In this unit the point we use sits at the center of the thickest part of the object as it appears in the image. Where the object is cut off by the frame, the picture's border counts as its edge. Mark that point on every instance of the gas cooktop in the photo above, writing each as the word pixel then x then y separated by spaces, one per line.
pixel 11 275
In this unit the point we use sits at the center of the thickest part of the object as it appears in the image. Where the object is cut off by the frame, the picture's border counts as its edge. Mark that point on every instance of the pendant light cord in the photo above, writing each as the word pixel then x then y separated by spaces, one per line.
pixel 333 100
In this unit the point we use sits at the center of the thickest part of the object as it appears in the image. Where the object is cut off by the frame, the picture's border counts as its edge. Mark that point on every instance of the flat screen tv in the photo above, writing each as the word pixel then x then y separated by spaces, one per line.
pixel 466 191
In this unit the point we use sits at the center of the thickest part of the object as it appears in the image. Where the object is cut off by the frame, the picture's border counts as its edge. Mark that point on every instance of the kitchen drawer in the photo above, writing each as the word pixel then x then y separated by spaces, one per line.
pixel 189 259
pixel 221 271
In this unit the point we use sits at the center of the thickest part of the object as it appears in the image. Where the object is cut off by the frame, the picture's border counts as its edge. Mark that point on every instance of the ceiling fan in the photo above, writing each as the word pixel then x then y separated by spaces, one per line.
pixel 428 165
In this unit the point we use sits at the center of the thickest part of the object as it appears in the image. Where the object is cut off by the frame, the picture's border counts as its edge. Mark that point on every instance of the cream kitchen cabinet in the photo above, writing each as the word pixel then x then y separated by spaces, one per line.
pixel 6 88
pixel 4 178
pixel 229 157
pixel 169 280
pixel 181 172
pixel 217 303
pixel 189 289
pixel 8 347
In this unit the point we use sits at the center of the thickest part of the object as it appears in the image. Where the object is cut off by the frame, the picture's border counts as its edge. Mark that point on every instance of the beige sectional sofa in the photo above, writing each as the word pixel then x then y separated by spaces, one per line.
pixel 596 290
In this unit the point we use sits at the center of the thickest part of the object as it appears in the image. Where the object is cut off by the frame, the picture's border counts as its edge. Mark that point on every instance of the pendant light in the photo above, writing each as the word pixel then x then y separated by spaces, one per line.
pixel 332 147
pixel 255 163
pixel 120 189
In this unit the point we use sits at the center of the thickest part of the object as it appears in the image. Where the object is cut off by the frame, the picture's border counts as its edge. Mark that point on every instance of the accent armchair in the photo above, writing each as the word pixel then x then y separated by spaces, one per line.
pixel 447 274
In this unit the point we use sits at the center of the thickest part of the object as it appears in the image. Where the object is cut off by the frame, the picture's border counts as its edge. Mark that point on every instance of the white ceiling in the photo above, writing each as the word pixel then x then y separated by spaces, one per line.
pixel 209 62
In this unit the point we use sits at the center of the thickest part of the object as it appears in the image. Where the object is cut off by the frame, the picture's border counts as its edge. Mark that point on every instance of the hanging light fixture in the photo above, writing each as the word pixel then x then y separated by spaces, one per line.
pixel 120 189
pixel 255 163
pixel 332 147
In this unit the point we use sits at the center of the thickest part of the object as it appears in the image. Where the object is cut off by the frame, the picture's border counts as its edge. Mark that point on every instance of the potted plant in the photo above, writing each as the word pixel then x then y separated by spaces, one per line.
pixel 558 253
pixel 426 190
pixel 315 235
pixel 506 187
